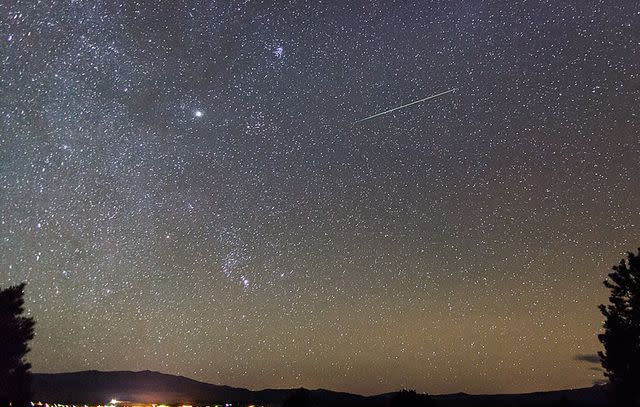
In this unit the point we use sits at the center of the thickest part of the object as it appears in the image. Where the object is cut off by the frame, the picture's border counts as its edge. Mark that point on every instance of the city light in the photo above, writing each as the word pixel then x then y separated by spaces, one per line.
pixel 122 403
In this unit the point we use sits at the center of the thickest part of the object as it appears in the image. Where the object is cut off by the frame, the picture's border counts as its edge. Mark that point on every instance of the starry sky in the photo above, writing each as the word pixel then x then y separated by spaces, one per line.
pixel 184 190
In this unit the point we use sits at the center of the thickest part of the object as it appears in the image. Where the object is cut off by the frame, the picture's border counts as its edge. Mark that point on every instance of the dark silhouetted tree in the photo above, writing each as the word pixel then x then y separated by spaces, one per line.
pixel 299 398
pixel 16 330
pixel 621 337
pixel 409 398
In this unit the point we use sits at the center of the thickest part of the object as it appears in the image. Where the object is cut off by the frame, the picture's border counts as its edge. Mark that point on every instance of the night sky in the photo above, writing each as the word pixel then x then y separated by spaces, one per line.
pixel 184 190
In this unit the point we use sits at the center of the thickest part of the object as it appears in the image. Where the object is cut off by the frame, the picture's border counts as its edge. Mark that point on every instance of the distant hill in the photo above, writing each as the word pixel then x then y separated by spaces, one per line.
pixel 95 387
pixel 99 387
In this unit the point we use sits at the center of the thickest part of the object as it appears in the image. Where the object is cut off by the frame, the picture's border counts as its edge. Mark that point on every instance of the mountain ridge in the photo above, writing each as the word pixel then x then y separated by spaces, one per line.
pixel 95 386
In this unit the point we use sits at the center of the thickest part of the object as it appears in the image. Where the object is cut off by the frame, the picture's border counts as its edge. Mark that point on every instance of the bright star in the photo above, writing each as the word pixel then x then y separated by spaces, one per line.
pixel 198 113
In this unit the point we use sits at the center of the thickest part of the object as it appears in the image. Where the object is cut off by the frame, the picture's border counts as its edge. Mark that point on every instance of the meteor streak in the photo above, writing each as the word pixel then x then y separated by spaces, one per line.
pixel 403 106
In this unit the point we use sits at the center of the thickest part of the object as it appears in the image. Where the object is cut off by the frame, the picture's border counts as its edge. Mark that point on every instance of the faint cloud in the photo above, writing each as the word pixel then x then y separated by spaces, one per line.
pixel 587 357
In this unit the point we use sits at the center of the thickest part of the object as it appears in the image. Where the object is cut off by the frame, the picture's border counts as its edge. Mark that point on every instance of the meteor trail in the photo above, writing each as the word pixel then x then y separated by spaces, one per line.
pixel 403 106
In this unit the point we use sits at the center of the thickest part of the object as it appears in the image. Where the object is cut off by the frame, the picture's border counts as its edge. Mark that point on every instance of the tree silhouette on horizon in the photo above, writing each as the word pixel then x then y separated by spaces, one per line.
pixel 409 398
pixel 621 338
pixel 16 331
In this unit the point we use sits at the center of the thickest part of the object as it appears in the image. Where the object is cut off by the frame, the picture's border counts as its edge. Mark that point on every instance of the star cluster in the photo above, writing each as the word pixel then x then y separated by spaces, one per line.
pixel 183 189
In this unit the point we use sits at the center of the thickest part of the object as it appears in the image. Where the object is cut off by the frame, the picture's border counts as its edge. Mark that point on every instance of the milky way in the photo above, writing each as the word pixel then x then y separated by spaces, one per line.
pixel 180 193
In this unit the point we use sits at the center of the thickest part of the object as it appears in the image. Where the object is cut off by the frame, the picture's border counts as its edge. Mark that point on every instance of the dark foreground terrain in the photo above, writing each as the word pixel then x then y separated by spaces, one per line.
pixel 94 387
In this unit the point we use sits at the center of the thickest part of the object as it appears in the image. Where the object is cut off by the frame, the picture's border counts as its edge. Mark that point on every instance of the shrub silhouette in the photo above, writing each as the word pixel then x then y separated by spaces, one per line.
pixel 16 331
pixel 621 338
pixel 409 398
